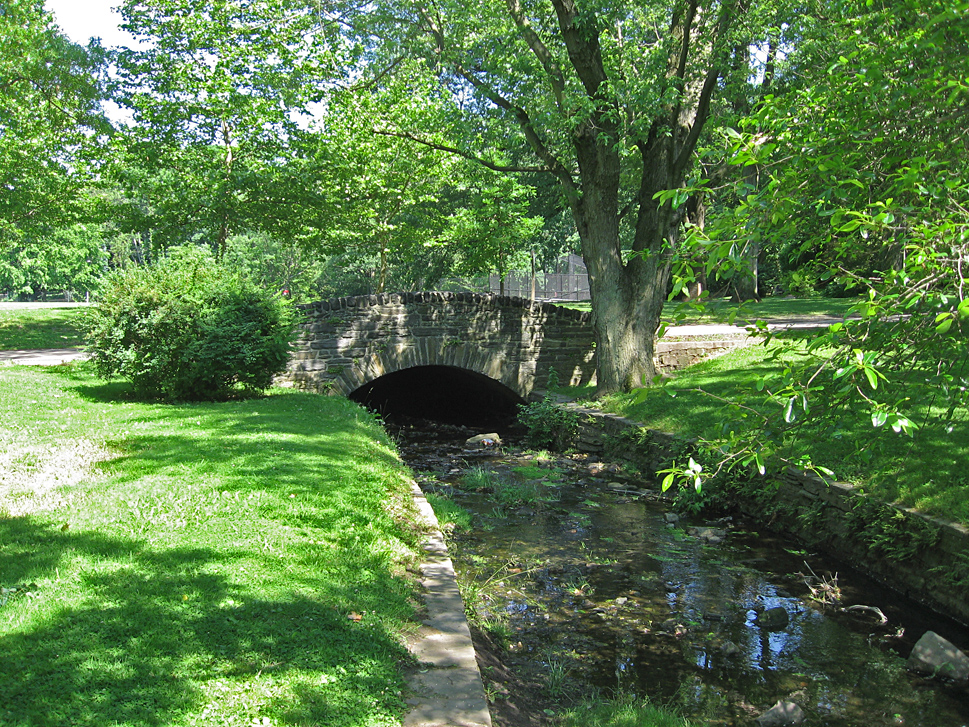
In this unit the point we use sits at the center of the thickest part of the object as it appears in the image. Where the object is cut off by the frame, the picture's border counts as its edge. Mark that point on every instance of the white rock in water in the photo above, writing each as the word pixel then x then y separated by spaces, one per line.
pixel 484 441
pixel 938 657
pixel 781 715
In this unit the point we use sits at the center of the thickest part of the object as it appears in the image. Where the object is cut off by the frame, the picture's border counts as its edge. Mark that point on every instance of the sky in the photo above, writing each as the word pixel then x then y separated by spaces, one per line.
pixel 81 20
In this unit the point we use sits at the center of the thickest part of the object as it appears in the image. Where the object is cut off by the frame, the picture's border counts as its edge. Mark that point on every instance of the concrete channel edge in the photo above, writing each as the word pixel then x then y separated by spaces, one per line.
pixel 447 690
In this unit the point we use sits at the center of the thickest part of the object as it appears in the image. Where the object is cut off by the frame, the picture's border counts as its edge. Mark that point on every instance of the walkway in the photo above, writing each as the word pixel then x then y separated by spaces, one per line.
pixel 43 356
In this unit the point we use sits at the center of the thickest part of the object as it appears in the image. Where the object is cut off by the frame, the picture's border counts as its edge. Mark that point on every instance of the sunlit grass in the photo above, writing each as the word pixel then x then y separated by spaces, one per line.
pixel 479 478
pixel 27 328
pixel 626 712
pixel 234 564
pixel 450 515
pixel 719 310
pixel 927 471
pixel 781 308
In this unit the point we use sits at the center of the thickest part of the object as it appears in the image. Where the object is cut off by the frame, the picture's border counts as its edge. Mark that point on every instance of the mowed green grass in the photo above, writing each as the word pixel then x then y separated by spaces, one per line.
pixel 928 471
pixel 26 327
pixel 239 563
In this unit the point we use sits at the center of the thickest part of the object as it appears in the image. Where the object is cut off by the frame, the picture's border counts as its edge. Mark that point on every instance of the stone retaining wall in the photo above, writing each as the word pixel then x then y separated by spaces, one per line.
pixel 675 353
pixel 924 558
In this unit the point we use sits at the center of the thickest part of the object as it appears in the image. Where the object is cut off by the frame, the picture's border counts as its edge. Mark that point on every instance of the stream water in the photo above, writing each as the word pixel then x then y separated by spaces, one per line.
pixel 592 586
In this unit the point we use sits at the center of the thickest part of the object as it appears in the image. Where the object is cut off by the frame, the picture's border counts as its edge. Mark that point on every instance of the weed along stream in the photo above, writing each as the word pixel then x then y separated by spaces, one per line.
pixel 581 583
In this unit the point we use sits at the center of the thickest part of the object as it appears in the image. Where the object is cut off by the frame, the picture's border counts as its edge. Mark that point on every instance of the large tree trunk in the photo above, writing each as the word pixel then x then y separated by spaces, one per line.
pixel 746 286
pixel 627 296
pixel 626 317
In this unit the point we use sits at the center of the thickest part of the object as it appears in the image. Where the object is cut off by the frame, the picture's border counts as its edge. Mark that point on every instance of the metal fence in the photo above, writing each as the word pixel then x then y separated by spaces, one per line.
pixel 568 281
pixel 549 287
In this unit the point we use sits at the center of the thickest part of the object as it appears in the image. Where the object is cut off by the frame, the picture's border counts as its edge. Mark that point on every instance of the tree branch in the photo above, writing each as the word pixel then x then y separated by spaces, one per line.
pixel 460 152
pixel 682 157
pixel 540 50
pixel 552 164
pixel 584 51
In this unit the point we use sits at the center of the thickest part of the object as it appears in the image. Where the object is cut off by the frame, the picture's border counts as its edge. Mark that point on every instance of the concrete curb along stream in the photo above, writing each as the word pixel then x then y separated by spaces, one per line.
pixel 447 689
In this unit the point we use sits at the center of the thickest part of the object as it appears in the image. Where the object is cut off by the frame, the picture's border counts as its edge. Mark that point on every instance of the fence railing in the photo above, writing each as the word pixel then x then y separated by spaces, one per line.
pixel 547 286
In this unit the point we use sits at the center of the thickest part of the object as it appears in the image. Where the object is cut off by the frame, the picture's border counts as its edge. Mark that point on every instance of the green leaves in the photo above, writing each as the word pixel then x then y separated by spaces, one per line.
pixel 691 475
pixel 946 319
pixel 51 123
pixel 899 423
pixel 220 96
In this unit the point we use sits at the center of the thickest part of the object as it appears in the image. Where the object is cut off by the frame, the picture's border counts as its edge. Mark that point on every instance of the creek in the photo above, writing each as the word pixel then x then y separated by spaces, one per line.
pixel 582 582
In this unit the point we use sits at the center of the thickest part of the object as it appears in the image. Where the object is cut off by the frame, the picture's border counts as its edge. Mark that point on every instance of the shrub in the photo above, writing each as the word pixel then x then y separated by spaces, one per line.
pixel 184 330
pixel 548 426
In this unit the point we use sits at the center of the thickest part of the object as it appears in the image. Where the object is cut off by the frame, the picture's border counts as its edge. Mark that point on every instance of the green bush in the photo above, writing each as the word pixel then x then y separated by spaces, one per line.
pixel 548 425
pixel 185 330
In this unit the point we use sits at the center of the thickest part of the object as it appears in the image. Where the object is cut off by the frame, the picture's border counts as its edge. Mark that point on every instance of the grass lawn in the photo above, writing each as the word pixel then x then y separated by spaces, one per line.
pixel 237 563
pixel 928 471
pixel 766 309
pixel 26 326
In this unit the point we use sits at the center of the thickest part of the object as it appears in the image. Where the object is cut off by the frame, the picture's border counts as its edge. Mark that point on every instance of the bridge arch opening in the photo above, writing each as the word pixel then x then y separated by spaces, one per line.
pixel 441 393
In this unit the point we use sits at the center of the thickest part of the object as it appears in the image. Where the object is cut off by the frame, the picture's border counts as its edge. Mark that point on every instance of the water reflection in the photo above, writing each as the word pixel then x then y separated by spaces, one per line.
pixel 596 580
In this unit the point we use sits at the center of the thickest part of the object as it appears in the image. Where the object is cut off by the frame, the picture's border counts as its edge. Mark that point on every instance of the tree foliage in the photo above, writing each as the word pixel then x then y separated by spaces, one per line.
pixel 867 174
pixel 69 262
pixel 384 195
pixel 217 94
pixel 868 157
pixel 50 121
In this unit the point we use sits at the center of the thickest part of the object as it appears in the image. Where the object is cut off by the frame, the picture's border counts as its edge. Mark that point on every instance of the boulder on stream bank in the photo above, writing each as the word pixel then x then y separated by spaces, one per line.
pixel 483 441
pixel 781 714
pixel 937 657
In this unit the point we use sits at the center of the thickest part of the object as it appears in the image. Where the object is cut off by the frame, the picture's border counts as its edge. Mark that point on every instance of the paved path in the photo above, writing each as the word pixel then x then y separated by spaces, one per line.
pixel 773 324
pixel 42 356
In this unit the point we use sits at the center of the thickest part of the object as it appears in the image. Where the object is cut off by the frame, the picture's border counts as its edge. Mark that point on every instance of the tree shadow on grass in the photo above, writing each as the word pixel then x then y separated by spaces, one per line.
pixel 53 331
pixel 150 637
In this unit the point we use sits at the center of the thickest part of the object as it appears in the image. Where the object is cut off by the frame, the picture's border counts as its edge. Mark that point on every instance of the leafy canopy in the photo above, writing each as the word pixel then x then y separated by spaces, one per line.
pixel 50 120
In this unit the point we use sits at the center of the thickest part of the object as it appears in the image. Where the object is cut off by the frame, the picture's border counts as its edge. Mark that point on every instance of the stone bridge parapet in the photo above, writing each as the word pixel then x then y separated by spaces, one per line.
pixel 345 343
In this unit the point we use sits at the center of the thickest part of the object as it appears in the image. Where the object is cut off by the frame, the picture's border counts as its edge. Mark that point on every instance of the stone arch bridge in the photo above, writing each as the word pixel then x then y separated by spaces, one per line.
pixel 345 344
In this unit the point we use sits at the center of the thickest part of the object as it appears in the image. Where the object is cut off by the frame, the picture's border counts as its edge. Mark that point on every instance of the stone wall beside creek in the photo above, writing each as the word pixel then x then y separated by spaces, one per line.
pixel 677 352
pixel 921 557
